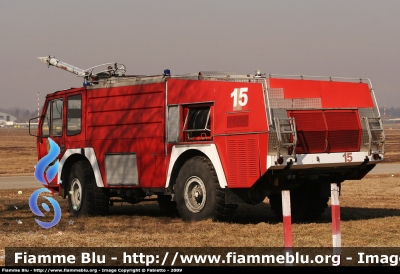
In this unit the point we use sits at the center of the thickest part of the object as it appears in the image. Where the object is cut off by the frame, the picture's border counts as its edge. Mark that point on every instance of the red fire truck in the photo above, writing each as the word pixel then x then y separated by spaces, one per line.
pixel 207 141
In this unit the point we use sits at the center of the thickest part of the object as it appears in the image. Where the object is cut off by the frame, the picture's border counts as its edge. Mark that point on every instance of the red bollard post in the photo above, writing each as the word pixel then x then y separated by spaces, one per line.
pixel 335 207
pixel 287 223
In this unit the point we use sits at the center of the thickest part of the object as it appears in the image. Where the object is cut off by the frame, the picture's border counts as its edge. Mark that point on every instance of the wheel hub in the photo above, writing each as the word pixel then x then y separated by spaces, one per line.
pixel 76 193
pixel 195 194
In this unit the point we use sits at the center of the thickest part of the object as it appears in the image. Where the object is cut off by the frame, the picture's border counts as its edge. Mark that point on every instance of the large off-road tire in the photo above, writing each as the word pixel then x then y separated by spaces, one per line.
pixel 198 194
pixel 167 206
pixel 84 197
pixel 306 203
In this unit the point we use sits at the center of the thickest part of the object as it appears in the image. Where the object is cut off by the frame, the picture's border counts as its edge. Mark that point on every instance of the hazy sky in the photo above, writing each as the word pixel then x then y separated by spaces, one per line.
pixel 348 38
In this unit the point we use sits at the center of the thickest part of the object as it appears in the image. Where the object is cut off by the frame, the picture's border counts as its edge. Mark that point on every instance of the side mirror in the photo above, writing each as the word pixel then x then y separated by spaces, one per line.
pixel 33 125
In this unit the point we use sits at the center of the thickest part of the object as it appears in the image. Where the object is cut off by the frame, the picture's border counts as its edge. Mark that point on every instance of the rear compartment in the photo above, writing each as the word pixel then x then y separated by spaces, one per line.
pixel 323 123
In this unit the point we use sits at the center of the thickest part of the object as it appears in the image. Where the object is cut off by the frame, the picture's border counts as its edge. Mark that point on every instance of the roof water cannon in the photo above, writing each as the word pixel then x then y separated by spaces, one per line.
pixel 106 70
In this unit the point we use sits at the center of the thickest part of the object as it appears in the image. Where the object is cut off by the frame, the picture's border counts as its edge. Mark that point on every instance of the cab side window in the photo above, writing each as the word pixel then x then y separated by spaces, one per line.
pixel 56 117
pixel 52 121
pixel 74 115
pixel 46 122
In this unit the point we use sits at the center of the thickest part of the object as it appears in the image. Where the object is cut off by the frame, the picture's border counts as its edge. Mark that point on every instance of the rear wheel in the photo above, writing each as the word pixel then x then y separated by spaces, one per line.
pixel 198 194
pixel 84 197
pixel 306 202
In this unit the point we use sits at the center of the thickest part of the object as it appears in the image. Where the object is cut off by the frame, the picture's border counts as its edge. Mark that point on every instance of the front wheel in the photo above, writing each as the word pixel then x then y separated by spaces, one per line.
pixel 84 196
pixel 198 194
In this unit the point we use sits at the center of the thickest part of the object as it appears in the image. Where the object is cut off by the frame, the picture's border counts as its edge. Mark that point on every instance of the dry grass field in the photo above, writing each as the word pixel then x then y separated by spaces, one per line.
pixel 17 152
pixel 370 214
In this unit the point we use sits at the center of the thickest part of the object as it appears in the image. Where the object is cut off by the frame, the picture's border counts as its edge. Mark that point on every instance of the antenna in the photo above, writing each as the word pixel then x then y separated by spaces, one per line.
pixel 38 106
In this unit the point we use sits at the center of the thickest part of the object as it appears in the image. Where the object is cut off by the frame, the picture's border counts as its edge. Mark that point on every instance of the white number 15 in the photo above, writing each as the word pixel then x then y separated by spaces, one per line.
pixel 239 96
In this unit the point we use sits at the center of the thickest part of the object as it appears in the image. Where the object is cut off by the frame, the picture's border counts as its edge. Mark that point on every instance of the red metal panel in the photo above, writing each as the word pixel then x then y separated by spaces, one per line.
pixel 333 94
pixel 126 117
pixel 252 153
pixel 243 164
pixel 344 141
pixel 344 130
pixel 239 154
pixel 127 102
pixel 320 131
pixel 263 148
pixel 195 92
pixel 237 120
pixel 126 112
pixel 129 119
pixel 129 131
pixel 150 158
pixel 233 176
pixel 311 131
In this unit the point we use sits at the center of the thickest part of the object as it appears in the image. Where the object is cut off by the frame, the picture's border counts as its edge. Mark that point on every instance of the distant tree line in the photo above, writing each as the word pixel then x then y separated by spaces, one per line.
pixel 390 112
pixel 23 115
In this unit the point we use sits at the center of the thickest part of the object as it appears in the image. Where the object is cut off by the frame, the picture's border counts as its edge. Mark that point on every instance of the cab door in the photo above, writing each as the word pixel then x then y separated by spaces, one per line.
pixel 52 126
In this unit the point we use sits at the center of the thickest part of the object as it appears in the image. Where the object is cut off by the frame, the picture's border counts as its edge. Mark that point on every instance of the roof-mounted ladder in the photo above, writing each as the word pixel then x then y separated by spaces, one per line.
pixel 287 136
pixel 376 135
